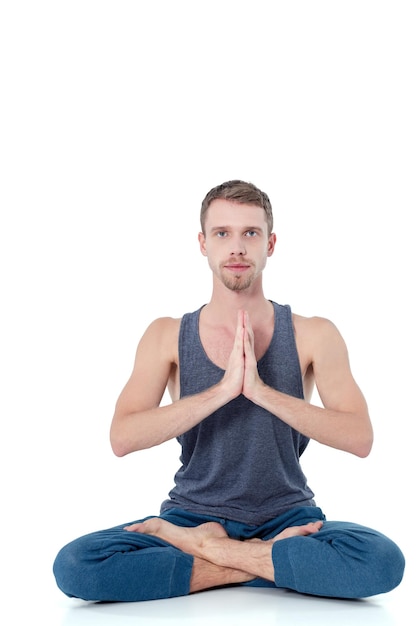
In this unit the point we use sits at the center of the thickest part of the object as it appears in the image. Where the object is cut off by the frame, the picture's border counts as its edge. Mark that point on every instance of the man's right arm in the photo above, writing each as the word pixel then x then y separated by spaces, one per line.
pixel 139 421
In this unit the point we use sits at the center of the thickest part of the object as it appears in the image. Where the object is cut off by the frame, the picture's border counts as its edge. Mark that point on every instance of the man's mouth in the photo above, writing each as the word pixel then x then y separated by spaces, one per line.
pixel 237 267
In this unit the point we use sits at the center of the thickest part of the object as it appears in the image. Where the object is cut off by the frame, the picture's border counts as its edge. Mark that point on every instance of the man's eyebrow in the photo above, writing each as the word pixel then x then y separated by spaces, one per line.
pixel 245 228
pixel 214 228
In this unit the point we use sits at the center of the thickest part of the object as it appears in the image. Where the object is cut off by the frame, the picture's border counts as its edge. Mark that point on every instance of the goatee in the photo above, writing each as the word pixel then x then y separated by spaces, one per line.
pixel 237 283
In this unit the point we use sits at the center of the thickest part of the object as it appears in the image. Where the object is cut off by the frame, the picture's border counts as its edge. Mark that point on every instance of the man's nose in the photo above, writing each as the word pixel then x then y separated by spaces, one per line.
pixel 238 246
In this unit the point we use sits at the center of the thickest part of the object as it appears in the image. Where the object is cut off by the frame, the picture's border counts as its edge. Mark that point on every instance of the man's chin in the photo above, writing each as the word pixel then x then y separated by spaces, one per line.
pixel 237 284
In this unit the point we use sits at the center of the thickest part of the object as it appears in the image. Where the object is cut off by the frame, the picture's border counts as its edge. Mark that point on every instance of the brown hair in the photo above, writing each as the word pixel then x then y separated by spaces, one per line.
pixel 242 193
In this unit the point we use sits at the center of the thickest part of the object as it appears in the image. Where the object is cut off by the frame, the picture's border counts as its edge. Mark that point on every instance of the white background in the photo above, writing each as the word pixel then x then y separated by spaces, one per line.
pixel 116 119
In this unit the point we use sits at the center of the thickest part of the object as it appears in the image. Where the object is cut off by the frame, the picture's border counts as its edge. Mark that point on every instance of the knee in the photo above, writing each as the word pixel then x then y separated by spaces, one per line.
pixel 365 563
pixel 387 565
pixel 67 569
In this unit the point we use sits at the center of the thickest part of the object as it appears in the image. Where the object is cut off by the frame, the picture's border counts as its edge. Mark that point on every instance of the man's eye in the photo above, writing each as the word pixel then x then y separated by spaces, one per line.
pixel 221 234
pixel 251 233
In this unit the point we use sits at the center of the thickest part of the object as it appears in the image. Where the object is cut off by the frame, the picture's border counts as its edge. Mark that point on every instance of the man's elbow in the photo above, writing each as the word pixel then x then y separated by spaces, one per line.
pixel 118 447
pixel 123 442
pixel 118 441
pixel 364 445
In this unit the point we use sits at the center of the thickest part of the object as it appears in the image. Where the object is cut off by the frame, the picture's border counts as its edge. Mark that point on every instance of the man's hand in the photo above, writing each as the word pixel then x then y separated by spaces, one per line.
pixel 235 371
pixel 241 376
pixel 251 378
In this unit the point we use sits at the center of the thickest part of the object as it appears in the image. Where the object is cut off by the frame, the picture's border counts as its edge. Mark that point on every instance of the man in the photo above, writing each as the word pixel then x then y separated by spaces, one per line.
pixel 240 371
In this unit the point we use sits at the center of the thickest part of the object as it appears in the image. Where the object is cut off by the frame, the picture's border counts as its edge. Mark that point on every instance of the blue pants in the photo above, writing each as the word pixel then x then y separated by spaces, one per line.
pixel 342 560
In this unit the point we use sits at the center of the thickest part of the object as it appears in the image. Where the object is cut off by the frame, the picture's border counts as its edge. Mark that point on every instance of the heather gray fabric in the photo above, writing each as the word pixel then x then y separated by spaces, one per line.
pixel 241 463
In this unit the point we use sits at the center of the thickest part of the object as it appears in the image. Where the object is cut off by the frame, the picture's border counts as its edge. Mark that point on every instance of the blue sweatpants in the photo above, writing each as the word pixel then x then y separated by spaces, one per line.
pixel 342 560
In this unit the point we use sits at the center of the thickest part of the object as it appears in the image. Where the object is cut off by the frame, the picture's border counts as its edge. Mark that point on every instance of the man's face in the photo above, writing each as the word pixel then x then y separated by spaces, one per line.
pixel 236 242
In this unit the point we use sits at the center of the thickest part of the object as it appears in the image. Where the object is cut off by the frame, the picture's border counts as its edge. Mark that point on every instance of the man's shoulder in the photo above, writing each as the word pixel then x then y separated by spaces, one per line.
pixel 312 322
pixel 161 337
pixel 314 327
pixel 316 335
pixel 164 326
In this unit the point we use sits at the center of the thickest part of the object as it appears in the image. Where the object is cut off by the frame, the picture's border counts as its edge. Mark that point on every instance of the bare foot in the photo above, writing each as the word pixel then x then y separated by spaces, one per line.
pixel 188 539
pixel 184 538
pixel 210 543
pixel 205 574
pixel 299 531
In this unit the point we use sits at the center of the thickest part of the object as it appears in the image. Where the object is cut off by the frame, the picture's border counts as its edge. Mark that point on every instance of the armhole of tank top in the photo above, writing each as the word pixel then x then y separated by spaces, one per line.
pixel 180 349
pixel 294 342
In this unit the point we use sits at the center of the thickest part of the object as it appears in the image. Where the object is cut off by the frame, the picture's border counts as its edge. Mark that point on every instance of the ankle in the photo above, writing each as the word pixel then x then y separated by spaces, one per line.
pixel 206 575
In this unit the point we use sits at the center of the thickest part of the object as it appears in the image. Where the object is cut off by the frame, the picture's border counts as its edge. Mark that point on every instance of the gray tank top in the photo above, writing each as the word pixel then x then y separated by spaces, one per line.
pixel 241 462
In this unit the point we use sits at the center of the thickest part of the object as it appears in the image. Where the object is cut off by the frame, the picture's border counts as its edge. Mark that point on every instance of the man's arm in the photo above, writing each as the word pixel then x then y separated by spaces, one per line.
pixel 139 421
pixel 344 421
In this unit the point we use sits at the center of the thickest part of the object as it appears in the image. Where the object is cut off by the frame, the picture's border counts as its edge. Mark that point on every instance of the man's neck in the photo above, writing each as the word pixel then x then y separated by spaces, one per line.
pixel 225 304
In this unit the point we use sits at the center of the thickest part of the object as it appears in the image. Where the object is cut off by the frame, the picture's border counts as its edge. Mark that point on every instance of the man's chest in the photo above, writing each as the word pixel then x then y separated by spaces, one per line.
pixel 218 344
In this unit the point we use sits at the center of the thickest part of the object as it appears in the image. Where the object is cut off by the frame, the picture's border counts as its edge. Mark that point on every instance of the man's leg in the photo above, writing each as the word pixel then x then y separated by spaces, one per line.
pixel 343 560
pixel 334 559
pixel 206 575
pixel 115 565
pixel 210 543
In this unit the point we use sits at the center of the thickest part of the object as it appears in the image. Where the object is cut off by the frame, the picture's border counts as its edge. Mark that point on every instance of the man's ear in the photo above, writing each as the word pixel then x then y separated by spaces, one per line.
pixel 202 241
pixel 271 243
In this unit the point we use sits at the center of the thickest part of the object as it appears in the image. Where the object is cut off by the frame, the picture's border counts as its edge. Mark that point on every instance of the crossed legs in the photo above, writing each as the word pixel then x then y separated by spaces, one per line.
pixel 218 559
pixel 183 552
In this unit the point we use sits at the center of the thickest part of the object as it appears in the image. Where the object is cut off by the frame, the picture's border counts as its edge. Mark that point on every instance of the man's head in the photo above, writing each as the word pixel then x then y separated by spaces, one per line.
pixel 240 192
pixel 236 237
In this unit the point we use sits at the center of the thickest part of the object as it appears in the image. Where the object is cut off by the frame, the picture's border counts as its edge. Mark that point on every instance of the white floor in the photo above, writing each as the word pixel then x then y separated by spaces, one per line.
pixel 237 606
